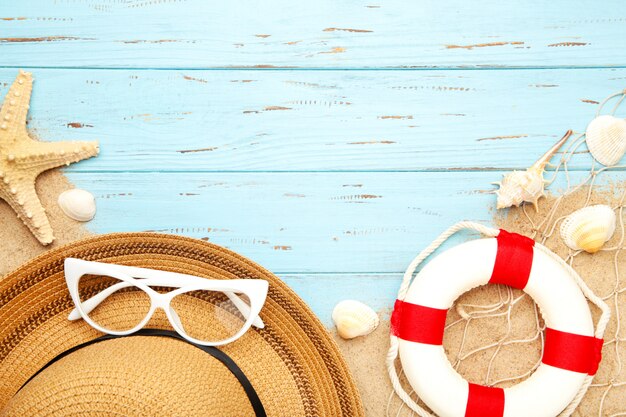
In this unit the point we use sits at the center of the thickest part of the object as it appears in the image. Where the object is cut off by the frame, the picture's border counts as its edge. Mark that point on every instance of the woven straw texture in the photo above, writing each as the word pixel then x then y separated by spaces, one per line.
pixel 293 363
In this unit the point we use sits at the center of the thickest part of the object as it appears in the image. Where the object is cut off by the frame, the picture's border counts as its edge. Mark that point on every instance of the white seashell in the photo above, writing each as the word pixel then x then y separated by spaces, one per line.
pixel 354 319
pixel 518 187
pixel 606 139
pixel 78 204
pixel 589 228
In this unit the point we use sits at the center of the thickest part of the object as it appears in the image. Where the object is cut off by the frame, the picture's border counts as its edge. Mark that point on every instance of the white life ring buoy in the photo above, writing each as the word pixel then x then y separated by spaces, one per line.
pixel 571 351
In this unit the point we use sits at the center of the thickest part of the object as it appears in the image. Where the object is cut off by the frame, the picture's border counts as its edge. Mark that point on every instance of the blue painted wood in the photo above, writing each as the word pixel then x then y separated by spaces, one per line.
pixel 253 136
pixel 323 291
pixel 315 121
pixel 319 34
pixel 357 222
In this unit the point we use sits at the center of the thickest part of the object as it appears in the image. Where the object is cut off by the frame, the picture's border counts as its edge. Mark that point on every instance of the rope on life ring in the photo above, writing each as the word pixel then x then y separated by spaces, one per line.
pixel 583 351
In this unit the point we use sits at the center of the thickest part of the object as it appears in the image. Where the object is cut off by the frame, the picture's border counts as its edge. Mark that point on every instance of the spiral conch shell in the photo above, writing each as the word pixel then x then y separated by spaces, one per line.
pixel 518 187
pixel 589 228
pixel 354 319
pixel 78 204
pixel 606 139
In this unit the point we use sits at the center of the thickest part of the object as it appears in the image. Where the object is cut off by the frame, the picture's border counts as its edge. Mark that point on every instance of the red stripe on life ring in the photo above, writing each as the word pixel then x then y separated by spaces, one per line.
pixel 572 352
pixel 514 260
pixel 416 323
pixel 484 401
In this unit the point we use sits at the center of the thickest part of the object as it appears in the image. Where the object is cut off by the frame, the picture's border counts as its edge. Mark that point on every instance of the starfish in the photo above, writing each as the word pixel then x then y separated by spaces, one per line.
pixel 22 159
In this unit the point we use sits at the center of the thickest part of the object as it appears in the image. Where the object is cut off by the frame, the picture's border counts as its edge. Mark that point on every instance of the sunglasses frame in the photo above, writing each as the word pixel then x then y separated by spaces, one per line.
pixel 142 278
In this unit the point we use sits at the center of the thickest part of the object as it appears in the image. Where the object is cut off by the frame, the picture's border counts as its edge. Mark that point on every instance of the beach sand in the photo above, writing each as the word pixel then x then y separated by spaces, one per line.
pixel 18 244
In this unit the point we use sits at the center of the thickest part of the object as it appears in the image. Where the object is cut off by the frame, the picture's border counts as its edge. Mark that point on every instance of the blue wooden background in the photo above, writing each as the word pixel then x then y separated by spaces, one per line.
pixel 329 141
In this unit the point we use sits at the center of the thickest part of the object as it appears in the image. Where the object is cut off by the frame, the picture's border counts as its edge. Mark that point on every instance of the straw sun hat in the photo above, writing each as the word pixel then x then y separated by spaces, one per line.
pixel 293 364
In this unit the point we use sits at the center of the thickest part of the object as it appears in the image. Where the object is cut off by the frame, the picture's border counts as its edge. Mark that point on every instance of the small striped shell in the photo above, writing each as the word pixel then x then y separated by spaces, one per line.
pixel 606 139
pixel 589 228
pixel 354 319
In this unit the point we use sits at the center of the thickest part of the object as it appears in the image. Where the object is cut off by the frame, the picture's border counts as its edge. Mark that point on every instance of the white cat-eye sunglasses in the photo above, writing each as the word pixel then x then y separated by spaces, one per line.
pixel 219 311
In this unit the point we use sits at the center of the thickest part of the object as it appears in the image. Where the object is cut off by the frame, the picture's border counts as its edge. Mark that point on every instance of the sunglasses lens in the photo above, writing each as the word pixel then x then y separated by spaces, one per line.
pixel 118 306
pixel 210 316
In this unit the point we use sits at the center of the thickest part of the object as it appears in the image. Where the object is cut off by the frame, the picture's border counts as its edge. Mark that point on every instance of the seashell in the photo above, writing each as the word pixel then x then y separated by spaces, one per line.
pixel 354 319
pixel 606 139
pixel 518 187
pixel 589 228
pixel 78 204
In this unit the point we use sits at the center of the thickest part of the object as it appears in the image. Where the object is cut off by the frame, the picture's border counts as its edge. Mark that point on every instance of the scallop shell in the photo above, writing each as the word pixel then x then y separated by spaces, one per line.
pixel 589 228
pixel 78 204
pixel 606 139
pixel 354 319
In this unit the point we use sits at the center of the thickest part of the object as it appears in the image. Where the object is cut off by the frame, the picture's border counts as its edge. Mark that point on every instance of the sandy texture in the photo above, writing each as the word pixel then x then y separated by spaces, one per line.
pixel 17 243
pixel 366 356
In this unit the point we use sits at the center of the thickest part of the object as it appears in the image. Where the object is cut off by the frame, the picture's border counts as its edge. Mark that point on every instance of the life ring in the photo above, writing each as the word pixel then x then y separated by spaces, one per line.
pixel 571 351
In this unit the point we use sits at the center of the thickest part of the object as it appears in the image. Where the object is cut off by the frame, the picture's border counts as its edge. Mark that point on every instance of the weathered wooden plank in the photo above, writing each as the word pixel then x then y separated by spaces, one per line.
pixel 315 120
pixel 319 34
pixel 357 222
pixel 323 291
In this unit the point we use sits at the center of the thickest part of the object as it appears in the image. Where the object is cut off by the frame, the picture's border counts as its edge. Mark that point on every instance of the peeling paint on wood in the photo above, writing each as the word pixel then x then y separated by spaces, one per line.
pixel 373 231
pixel 307 225
pixel 432 87
pixel 114 195
pixel 322 103
pixel 323 135
pixel 157 41
pixel 357 197
pixel 267 66
pixel 44 39
pixel 568 44
pixel 395 117
pixel 482 45
pixel 188 230
pixel 347 30
pixel 373 142
pixel 371 43
pixel 77 125
pixel 210 149
pixel 262 36
pixel 268 108
pixel 494 101
pixel 335 50
pixel 502 137
pixel 200 80
pixel 308 84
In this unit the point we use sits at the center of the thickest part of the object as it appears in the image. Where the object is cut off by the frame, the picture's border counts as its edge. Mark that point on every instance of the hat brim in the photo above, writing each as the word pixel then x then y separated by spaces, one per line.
pixel 34 304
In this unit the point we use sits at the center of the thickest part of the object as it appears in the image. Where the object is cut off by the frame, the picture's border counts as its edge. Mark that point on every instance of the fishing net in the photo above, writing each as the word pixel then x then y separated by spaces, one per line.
pixel 494 334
